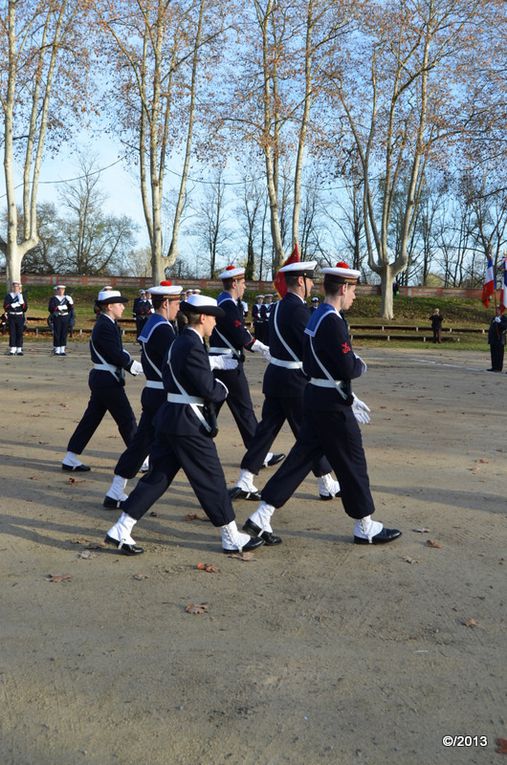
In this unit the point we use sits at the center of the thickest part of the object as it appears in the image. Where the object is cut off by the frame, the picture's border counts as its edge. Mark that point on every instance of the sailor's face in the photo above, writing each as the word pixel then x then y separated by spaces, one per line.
pixel 240 287
pixel 349 295
pixel 208 324
pixel 116 310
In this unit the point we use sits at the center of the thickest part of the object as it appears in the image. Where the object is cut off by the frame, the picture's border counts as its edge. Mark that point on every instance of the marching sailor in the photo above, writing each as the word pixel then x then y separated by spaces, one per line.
pixel 185 428
pixel 230 338
pixel 331 415
pixel 15 307
pixel 61 310
pixel 106 380
pixel 285 382
pixel 156 338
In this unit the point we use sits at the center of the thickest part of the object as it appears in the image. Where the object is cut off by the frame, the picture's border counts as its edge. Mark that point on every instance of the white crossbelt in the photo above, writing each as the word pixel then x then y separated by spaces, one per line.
pixel 221 351
pixel 154 384
pixel 184 398
pixel 286 364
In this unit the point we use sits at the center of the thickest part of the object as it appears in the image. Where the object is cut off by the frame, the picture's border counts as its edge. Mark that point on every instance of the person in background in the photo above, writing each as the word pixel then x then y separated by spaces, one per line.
pixel 15 307
pixel 315 304
pixel 106 381
pixel 141 310
pixel 256 317
pixel 496 340
pixel 436 325
pixel 265 311
pixel 61 314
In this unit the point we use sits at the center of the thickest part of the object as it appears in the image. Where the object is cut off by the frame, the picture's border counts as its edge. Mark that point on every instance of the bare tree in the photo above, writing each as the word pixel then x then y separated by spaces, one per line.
pixel 41 70
pixel 210 228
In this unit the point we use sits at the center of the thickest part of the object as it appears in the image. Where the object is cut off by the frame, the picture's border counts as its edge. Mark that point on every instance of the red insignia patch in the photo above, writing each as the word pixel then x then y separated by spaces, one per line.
pixel 237 323
pixel 346 348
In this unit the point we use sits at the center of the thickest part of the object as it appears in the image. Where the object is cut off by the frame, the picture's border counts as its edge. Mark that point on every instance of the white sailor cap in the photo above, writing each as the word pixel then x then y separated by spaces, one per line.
pixel 110 296
pixel 315 299
pixel 166 289
pixel 343 273
pixel 196 291
pixel 232 272
pixel 202 304
pixel 300 267
pixel 59 287
pixel 259 297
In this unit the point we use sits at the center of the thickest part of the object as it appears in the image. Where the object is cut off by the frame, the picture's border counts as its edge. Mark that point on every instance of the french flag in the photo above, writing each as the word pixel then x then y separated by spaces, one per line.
pixel 489 284
pixel 503 301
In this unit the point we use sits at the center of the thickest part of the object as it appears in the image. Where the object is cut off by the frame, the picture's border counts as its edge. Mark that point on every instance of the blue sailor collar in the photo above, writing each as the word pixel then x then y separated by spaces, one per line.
pixel 318 316
pixel 150 326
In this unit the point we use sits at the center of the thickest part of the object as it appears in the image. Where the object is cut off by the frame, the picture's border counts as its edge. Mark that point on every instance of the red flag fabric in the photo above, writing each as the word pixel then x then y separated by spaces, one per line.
pixel 279 280
pixel 489 284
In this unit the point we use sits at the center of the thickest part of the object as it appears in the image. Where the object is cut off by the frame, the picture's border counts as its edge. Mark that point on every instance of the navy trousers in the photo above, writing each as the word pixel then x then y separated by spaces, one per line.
pixel 60 330
pixel 106 398
pixel 16 328
pixel 197 457
pixel 239 401
pixel 139 448
pixel 336 435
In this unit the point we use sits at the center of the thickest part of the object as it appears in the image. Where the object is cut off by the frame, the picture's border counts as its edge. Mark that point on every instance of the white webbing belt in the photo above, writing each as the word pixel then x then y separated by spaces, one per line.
pixel 320 383
pixel 105 367
pixel 221 351
pixel 154 384
pixel 184 398
pixel 286 364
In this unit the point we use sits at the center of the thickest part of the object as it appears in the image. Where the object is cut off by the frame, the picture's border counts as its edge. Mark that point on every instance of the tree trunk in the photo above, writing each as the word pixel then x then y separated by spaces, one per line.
pixel 386 292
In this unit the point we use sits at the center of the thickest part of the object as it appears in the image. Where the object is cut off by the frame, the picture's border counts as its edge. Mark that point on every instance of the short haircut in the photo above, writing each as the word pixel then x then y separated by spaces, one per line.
pixel 332 284
pixel 192 318
pixel 157 301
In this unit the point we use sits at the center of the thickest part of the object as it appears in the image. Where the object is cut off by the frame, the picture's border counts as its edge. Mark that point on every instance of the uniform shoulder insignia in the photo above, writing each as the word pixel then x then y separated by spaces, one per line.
pixel 346 348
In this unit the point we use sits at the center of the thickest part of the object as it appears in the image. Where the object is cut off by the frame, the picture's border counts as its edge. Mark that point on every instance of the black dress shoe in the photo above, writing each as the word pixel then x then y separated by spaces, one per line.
pixel 327 497
pixel 75 468
pixel 251 545
pixel 123 547
pixel 111 503
pixel 267 536
pixel 274 460
pixel 386 535
pixel 237 493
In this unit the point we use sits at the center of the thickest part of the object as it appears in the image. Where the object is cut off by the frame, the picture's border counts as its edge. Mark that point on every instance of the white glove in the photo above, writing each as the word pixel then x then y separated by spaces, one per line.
pixel 222 362
pixel 497 319
pixel 136 368
pixel 360 410
pixel 259 347
pixel 363 363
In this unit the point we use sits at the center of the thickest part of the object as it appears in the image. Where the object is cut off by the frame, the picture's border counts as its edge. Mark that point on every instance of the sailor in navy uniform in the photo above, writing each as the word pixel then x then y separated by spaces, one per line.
pixel 331 415
pixel 61 310
pixel 106 380
pixel 256 317
pixel 15 307
pixel 264 312
pixel 185 429
pixel 284 382
pixel 315 304
pixel 156 339
pixel 141 310
pixel 231 338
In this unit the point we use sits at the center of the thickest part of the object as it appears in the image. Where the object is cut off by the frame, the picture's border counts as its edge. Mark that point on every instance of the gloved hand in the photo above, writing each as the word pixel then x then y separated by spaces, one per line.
pixel 222 362
pixel 498 319
pixel 135 368
pixel 363 364
pixel 360 410
pixel 258 347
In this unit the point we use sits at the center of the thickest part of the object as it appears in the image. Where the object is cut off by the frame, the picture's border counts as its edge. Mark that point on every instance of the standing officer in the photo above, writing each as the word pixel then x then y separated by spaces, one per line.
pixel 106 380
pixel 156 339
pixel 285 382
pixel 265 311
pixel 61 313
pixel 230 338
pixel 141 310
pixel 15 307
pixel 256 317
pixel 330 424
pixel 496 339
pixel 185 430
pixel 315 304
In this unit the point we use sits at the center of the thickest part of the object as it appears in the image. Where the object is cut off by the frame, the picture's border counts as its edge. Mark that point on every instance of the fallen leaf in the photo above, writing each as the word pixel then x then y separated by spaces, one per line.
pixel 72 480
pixel 242 556
pixel 410 560
pixel 501 744
pixel 78 541
pixel 58 577
pixel 208 567
pixel 483 461
pixel 422 530
pixel 33 478
pixel 195 517
pixel 433 543
pixel 86 554
pixel 153 514
pixel 197 608
pixel 470 622
pixel 139 577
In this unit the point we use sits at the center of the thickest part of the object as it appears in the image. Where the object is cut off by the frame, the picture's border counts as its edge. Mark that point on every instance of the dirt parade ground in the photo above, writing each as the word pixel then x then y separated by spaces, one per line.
pixel 316 651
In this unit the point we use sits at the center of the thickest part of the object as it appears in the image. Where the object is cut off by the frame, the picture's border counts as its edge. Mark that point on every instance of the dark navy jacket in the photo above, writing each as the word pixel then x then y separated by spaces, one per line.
pixel 291 315
pixel 60 307
pixel 231 327
pixel 156 338
pixel 106 341
pixel 15 305
pixel 190 365
pixel 328 333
